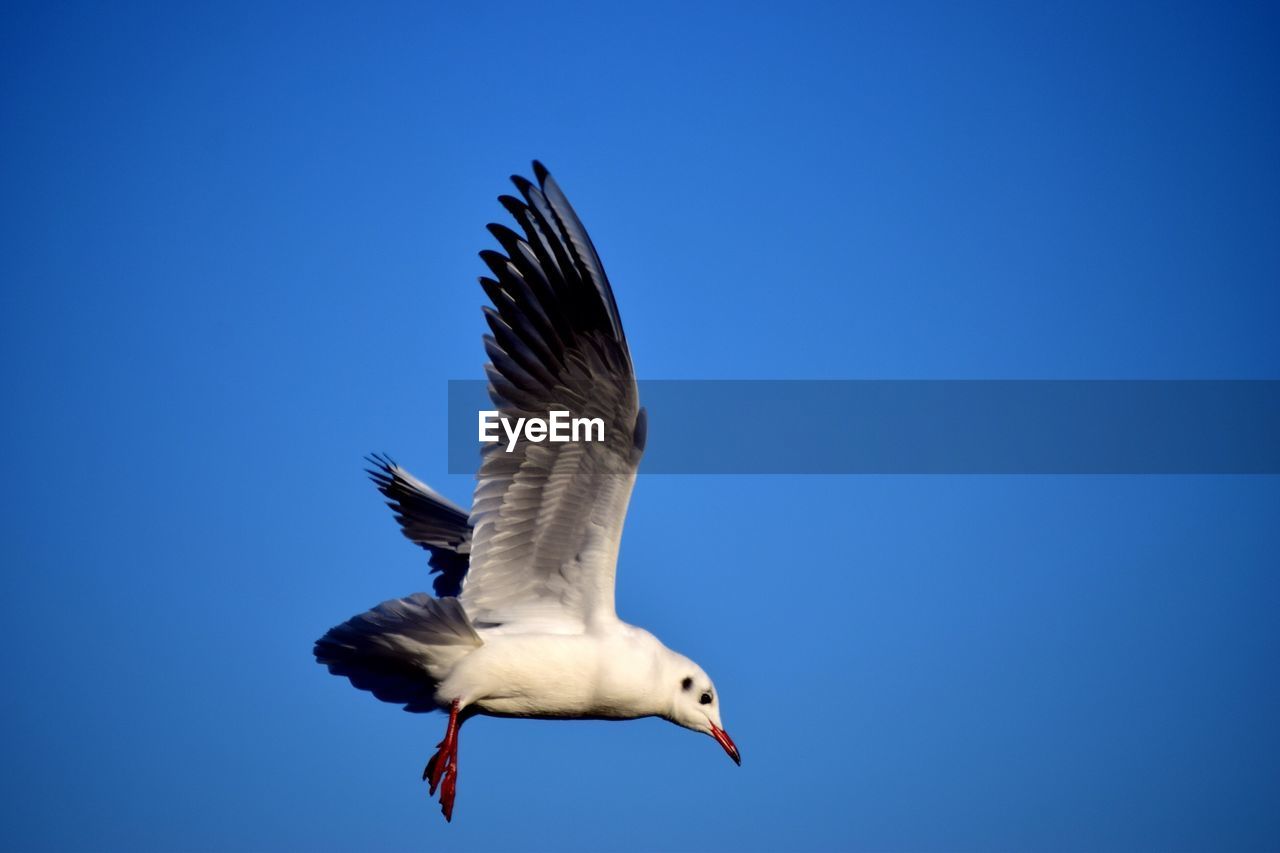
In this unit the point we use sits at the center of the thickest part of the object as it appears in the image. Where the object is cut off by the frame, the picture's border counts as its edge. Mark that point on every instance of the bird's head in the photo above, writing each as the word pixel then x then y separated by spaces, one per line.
pixel 695 704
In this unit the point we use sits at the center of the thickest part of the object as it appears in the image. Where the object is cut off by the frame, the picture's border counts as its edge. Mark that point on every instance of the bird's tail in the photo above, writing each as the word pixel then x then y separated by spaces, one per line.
pixel 400 650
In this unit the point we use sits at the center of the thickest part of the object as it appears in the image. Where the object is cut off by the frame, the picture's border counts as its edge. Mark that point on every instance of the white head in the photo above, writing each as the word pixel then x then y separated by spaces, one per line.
pixel 695 704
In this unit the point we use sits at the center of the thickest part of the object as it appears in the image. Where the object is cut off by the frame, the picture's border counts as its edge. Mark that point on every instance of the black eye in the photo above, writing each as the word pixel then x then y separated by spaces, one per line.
pixel 687 683
pixel 704 699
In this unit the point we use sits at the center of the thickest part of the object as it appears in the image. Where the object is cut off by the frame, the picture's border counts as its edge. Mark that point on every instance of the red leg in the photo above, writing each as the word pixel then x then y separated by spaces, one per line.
pixel 442 769
pixel 449 785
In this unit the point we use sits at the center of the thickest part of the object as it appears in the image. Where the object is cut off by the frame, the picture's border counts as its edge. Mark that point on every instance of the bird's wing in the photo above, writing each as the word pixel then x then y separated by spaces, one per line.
pixel 429 519
pixel 548 517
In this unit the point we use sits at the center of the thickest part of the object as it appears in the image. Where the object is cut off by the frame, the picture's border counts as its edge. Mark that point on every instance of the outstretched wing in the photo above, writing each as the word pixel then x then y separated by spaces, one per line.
pixel 547 517
pixel 427 518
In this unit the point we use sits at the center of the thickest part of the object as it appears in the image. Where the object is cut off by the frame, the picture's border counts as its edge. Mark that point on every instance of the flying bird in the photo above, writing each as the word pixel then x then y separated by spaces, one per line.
pixel 522 623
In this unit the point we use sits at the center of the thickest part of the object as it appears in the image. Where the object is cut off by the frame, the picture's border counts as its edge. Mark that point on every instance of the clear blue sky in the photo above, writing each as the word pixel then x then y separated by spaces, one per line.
pixel 238 252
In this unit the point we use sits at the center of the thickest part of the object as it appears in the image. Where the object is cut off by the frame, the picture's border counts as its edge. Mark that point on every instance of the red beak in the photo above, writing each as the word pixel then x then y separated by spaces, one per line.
pixel 722 738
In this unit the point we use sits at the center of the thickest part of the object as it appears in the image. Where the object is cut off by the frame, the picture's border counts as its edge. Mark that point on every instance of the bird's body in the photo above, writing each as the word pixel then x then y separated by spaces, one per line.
pixel 523 622
pixel 607 674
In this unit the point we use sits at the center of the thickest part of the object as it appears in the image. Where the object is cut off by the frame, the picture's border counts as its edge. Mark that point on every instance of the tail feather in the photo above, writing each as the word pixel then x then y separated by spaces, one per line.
pixel 401 649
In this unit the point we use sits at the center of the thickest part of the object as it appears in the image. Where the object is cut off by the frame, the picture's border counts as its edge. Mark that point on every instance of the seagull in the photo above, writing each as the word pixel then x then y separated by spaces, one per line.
pixel 522 623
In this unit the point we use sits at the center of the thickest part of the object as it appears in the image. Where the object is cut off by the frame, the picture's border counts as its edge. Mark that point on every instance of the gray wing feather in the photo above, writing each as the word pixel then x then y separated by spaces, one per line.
pixel 429 519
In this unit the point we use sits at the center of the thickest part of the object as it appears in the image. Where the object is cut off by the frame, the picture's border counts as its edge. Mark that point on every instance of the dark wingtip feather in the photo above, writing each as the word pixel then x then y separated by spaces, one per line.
pixel 495 261
pixel 513 205
pixel 509 239
pixel 383 470
pixel 382 460
pixel 524 185
pixel 540 172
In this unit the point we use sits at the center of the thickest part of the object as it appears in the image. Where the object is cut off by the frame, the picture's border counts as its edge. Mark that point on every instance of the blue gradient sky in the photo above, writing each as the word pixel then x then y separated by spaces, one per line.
pixel 238 252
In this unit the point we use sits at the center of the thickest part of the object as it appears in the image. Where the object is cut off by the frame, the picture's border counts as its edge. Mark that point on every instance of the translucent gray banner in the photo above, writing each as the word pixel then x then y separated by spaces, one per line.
pixel 937 427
